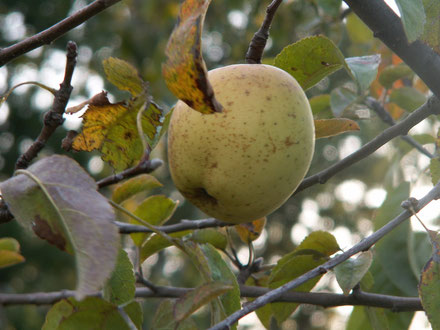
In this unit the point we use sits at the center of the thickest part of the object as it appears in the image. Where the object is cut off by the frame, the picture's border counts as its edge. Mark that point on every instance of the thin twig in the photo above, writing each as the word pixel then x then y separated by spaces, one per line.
pixel 432 106
pixel 377 107
pixel 54 117
pixel 364 245
pixel 55 31
pixel 256 47
pixel 395 303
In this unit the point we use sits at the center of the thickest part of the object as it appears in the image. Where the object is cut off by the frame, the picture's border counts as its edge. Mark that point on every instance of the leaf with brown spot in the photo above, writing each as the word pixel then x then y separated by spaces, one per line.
pixel 123 75
pixel 330 127
pixel 112 129
pixel 58 198
pixel 184 70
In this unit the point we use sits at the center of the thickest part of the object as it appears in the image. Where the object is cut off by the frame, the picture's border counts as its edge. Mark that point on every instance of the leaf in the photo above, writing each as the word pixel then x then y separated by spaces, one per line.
pixel 214 236
pixel 367 318
pixel 91 313
pixel 413 17
pixel 156 243
pixel 320 103
pixel 364 69
pixel 133 186
pixel 357 30
pixel 59 199
pixel 155 210
pixel 164 318
pixel 264 313
pixel 351 271
pixel 121 286
pixel 311 59
pixel 161 130
pixel 431 33
pixel 123 75
pixel 112 129
pixel 9 252
pixel 330 7
pixel 200 296
pixel 392 253
pixel 313 251
pixel 434 169
pixel 250 231
pixel 331 127
pixel 392 73
pixel 340 99
pixel 184 70
pixel 408 98
pixel 429 290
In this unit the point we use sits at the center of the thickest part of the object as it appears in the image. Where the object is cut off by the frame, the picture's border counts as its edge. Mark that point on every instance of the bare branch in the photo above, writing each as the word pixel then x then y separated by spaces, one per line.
pixel 54 117
pixel 256 47
pixel 397 304
pixel 361 246
pixel 432 106
pixel 55 31
pixel 126 228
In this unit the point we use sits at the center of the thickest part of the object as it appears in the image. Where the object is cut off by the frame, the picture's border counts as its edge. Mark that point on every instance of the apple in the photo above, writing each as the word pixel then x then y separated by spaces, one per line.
pixel 245 162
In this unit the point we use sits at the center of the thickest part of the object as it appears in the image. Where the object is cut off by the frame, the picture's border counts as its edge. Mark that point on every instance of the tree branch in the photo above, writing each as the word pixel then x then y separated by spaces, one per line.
pixel 54 117
pixel 387 26
pixel 256 47
pixel 397 304
pixel 364 245
pixel 432 106
pixel 55 31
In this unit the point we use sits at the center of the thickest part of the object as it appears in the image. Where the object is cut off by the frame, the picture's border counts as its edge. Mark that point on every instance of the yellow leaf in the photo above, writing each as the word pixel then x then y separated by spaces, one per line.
pixel 335 126
pixel 250 231
pixel 185 71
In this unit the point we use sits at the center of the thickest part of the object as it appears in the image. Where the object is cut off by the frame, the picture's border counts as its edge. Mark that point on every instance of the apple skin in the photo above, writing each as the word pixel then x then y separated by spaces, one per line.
pixel 245 162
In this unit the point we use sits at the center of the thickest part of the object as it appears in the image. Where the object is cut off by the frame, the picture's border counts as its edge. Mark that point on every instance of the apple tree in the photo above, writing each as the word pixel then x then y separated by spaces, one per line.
pixel 94 232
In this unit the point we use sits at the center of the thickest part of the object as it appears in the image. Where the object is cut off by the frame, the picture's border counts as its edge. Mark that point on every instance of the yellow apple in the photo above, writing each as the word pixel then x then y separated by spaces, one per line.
pixel 245 162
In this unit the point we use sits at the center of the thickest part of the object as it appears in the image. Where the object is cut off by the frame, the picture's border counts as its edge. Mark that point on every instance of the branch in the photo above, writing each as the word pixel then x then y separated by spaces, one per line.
pixel 256 47
pixel 125 228
pixel 54 117
pixel 387 26
pixel 432 106
pixel 397 304
pixel 55 31
pixel 377 107
pixel 364 245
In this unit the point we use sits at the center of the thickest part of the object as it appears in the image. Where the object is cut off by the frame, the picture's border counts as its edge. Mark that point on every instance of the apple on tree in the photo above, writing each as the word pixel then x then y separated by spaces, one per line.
pixel 245 162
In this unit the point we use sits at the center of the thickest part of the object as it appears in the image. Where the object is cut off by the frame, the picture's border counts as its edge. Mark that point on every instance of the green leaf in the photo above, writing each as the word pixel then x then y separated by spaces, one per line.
pixel 121 286
pixel 434 169
pixel 364 69
pixel 392 73
pixel 123 75
pixel 264 313
pixel 161 130
pixel 413 17
pixel 431 33
pixel 213 236
pixel 408 98
pixel 325 128
pixel 351 271
pixel 358 32
pixel 392 252
pixel 367 318
pixel 429 290
pixel 313 251
pixel 311 59
pixel 320 103
pixel 164 318
pixel 59 200
pixel 9 252
pixel 200 296
pixel 184 70
pixel 91 313
pixel 340 99
pixel 156 210
pixel 133 186
pixel 156 243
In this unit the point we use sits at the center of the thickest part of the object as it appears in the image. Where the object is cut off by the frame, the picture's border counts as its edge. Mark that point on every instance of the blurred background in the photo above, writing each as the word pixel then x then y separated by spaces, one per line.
pixel 137 31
